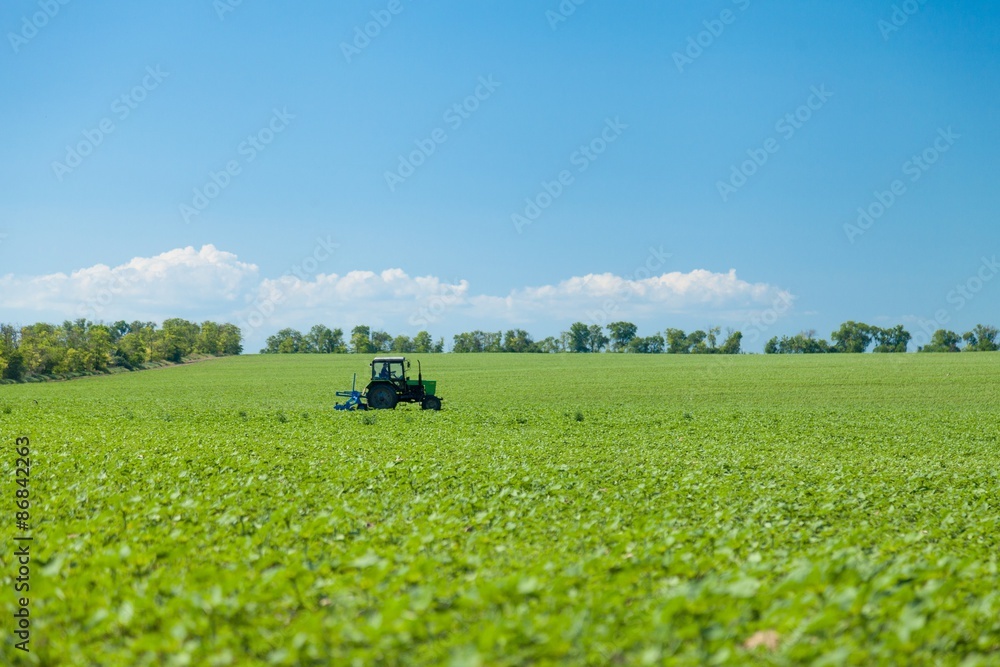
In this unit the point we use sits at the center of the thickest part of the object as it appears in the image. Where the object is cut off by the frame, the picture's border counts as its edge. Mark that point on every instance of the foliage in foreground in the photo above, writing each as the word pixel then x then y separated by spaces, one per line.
pixel 580 509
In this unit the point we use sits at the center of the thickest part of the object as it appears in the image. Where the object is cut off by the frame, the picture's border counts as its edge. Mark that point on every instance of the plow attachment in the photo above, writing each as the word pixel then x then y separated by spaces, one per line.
pixel 353 397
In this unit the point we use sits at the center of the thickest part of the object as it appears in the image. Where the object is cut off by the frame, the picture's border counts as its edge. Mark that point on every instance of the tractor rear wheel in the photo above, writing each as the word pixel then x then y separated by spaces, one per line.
pixel 431 403
pixel 382 397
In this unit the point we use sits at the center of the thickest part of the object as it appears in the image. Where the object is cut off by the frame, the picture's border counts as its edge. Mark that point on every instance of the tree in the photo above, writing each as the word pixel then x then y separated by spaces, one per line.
pixel 11 360
pixel 852 337
pixel 943 341
pixel 475 341
pixel 518 340
pixel 382 341
pixel 804 342
pixel 596 339
pixel 712 339
pixel 895 339
pixel 12 366
pixel 130 351
pixel 323 340
pixel 982 338
pixel 98 350
pixel 697 342
pixel 403 344
pixel 466 342
pixel 422 343
pixel 74 334
pixel 648 345
pixel 41 349
pixel 361 340
pixel 81 346
pixel 118 329
pixel 732 344
pixel 177 339
pixel 149 335
pixel 622 333
pixel 549 345
pixel 10 336
pixel 492 341
pixel 578 337
pixel 286 341
pixel 231 339
pixel 209 339
pixel 677 342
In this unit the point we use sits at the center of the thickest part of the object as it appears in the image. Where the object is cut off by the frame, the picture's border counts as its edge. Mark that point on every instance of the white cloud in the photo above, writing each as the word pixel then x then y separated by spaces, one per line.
pixel 190 283
pixel 389 298
pixel 607 296
pixel 391 285
pixel 182 279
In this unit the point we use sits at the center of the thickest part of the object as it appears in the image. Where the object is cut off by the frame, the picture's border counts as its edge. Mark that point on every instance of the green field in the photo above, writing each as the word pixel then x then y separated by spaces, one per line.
pixel 561 509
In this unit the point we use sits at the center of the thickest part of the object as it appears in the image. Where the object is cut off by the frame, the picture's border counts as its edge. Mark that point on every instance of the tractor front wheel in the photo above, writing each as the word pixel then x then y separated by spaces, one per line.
pixel 382 397
pixel 431 403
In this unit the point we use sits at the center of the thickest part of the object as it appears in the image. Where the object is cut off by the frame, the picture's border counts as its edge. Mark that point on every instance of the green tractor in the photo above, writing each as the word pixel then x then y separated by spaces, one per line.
pixel 390 386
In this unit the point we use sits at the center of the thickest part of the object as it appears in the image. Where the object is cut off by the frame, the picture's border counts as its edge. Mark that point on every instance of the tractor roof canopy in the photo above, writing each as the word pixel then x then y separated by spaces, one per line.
pixel 388 360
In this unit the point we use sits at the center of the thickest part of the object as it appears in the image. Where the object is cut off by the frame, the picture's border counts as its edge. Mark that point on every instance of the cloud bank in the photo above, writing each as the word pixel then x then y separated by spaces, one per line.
pixel 185 282
pixel 183 279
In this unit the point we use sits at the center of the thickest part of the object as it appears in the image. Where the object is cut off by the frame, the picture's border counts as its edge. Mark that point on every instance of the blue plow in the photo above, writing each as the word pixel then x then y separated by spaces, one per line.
pixel 353 396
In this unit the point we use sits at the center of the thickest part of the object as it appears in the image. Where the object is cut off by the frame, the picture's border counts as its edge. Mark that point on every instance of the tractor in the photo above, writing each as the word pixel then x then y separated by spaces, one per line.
pixel 390 386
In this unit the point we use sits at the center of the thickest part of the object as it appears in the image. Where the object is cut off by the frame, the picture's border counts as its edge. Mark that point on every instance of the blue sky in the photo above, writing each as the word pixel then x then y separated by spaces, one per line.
pixel 692 164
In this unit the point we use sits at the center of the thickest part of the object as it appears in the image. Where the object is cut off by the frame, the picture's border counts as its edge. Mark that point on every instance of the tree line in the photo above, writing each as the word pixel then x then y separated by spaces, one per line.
pixel 320 339
pixel 623 337
pixel 858 337
pixel 615 337
pixel 82 347
pixel 581 338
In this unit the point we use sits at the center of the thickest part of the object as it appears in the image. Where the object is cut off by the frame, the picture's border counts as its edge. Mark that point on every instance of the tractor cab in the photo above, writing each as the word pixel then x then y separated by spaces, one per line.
pixel 389 369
